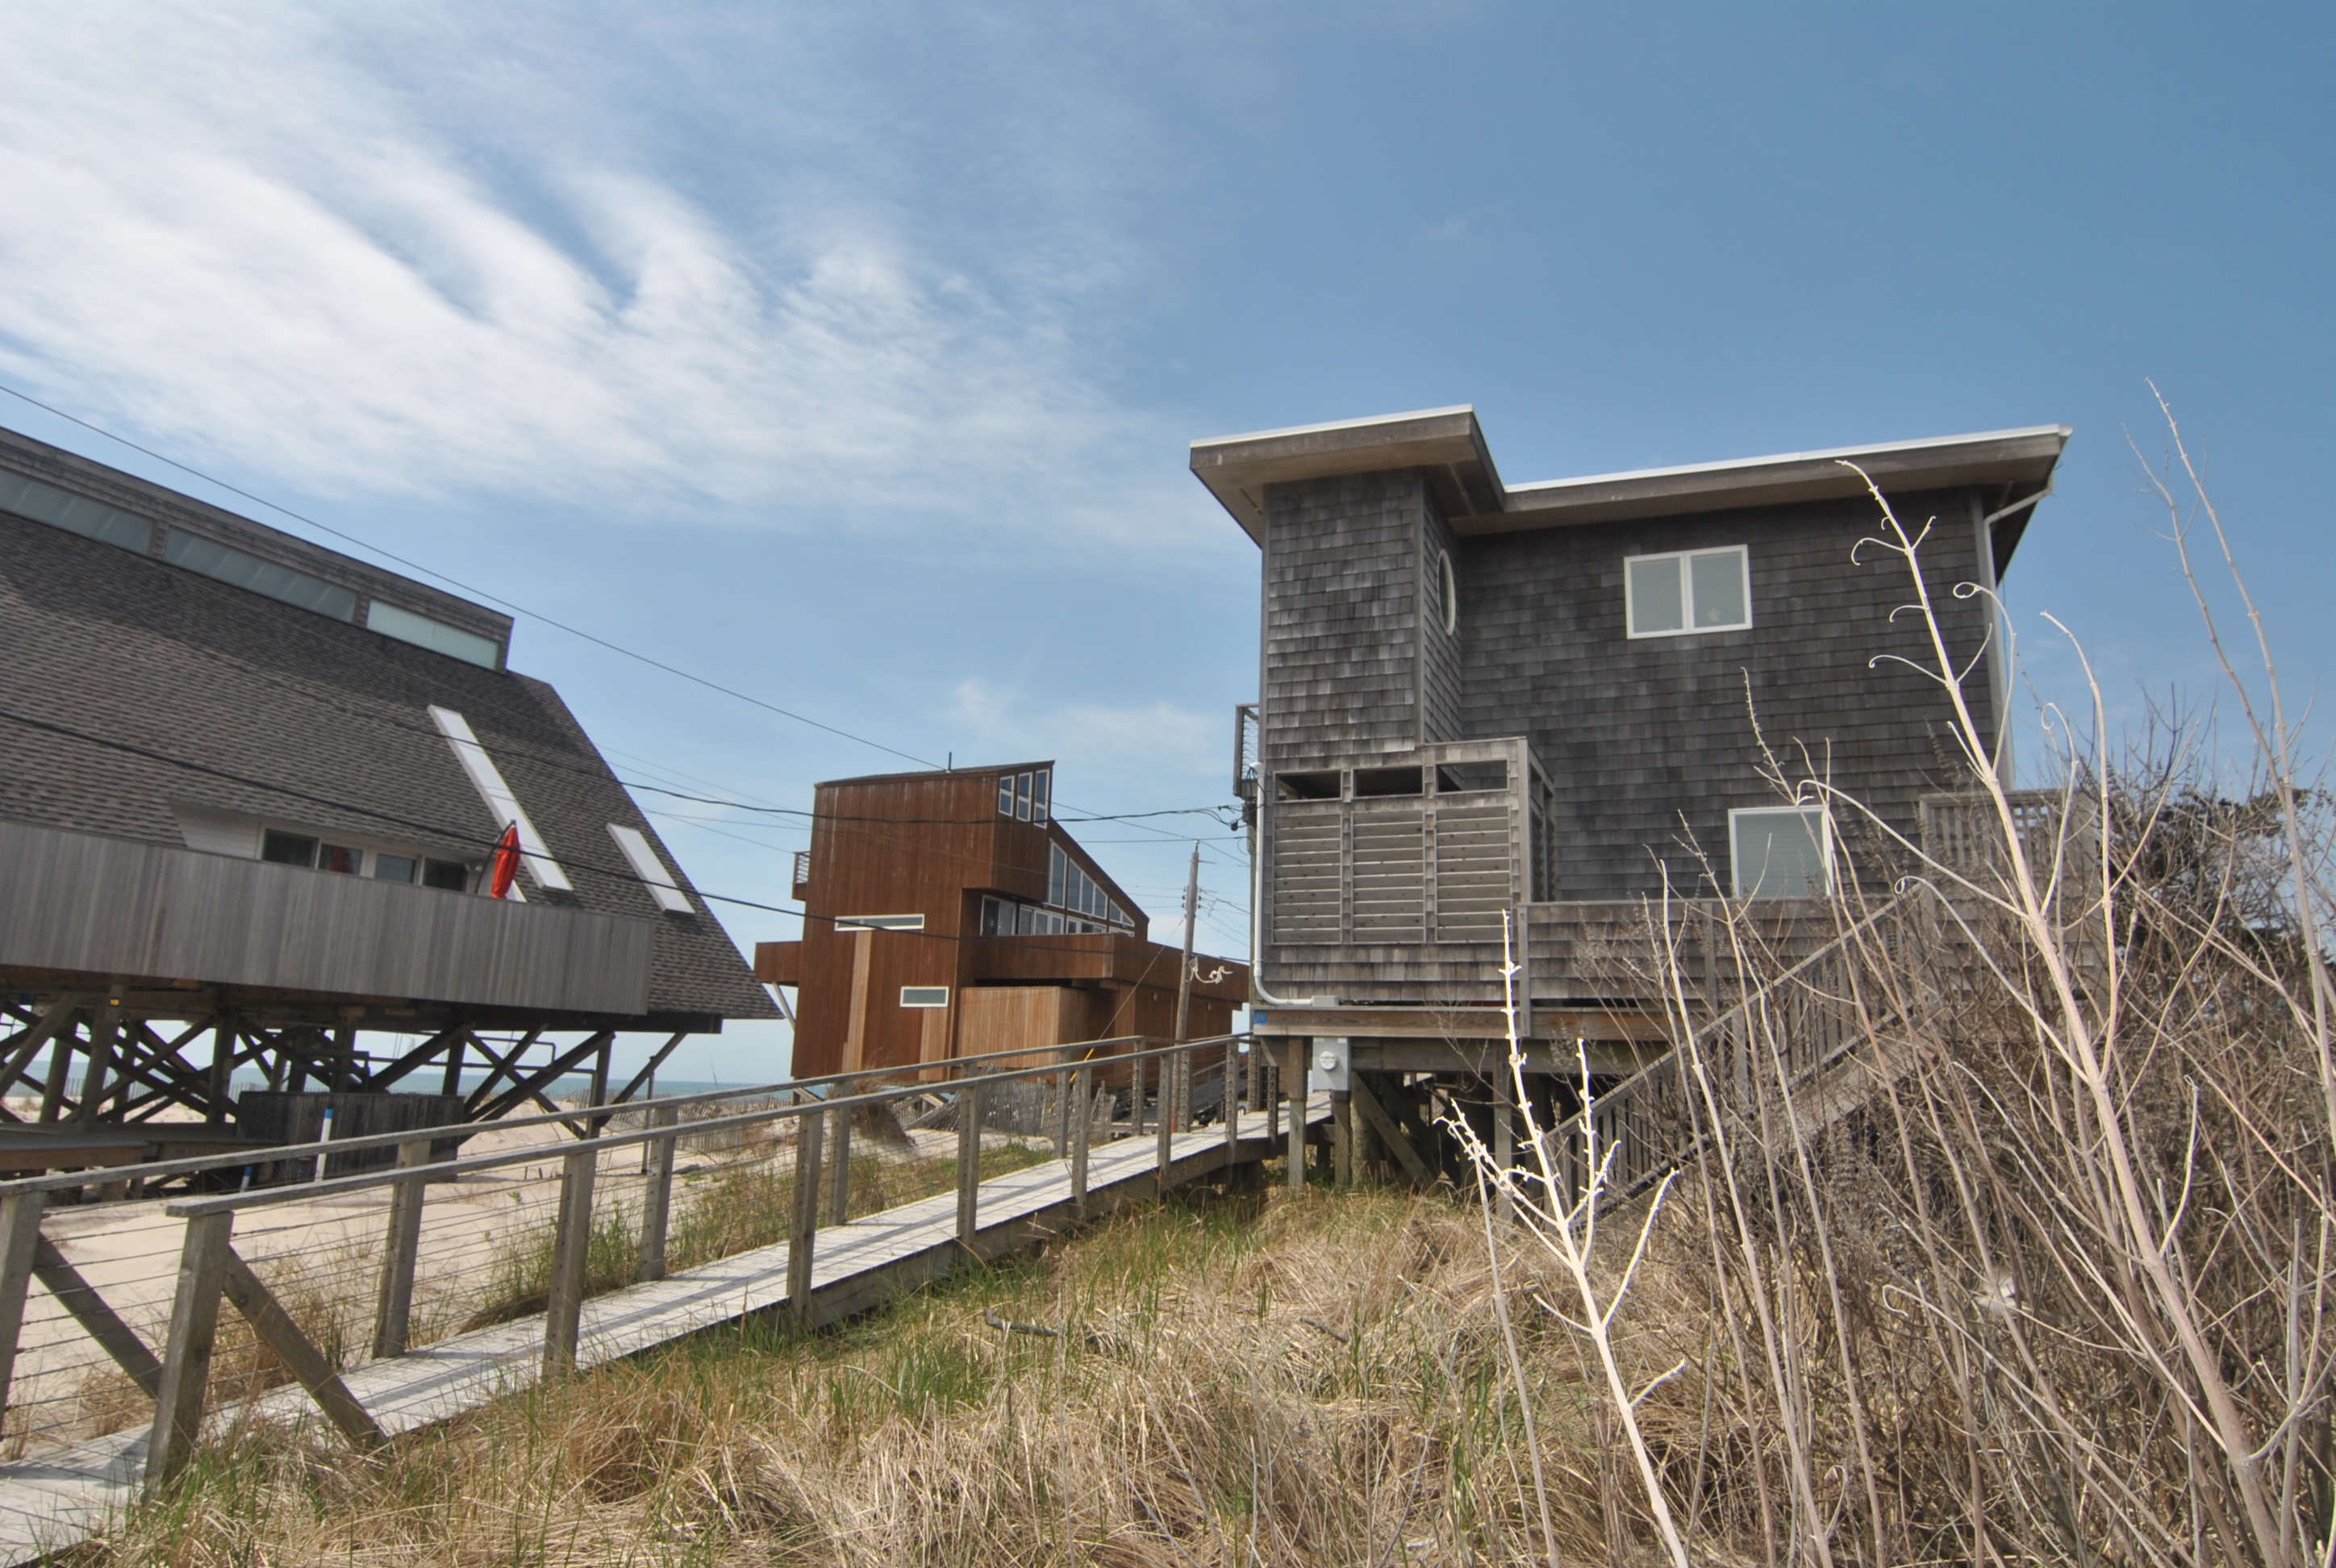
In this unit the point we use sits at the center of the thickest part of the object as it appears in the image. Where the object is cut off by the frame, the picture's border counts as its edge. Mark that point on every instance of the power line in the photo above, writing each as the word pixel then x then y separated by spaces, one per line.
pixel 466 588
pixel 437 830
pixel 516 609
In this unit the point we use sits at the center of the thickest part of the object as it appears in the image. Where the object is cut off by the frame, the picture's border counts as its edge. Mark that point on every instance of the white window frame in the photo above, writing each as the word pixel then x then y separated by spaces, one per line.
pixel 1735 854
pixel 927 995
pixel 1687 627
pixel 879 922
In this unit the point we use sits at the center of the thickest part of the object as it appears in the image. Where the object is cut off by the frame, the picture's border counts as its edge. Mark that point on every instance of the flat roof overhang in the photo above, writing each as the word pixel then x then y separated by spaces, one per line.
pixel 1448 445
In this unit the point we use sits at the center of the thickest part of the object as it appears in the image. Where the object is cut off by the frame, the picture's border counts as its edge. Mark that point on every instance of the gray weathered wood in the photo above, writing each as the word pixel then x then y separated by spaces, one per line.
pixel 1231 1109
pixel 401 1250
pixel 1342 1138
pixel 802 1229
pixel 969 1160
pixel 278 1331
pixel 194 1333
pixel 839 1191
pixel 1081 1132
pixel 1293 1077
pixel 1397 1141
pixel 99 1321
pixel 657 1193
pixel 571 1246
pixel 109 906
pixel 1164 1128
pixel 19 1234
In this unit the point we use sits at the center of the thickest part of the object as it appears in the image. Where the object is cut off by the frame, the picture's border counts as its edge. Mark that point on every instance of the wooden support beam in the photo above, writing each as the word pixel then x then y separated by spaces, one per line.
pixel 1342 1137
pixel 99 1321
pixel 20 1234
pixel 571 1246
pixel 27 1045
pixel 105 1022
pixel 498 1065
pixel 393 1073
pixel 969 1160
pixel 1394 1137
pixel 1293 1086
pixel 278 1331
pixel 648 1071
pixel 1082 1134
pixel 400 1251
pixel 550 1072
pixel 187 1363
pixel 802 1229
pixel 656 1197
pixel 839 1191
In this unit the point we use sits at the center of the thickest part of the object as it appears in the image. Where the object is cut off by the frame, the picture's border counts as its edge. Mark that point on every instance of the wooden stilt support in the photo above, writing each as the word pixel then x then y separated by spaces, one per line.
pixel 1293 1082
pixel 1391 1136
pixel 1342 1139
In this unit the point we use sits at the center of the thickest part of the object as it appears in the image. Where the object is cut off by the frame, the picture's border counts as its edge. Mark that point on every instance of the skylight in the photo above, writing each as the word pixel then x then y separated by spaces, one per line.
pixel 212 559
pixel 74 513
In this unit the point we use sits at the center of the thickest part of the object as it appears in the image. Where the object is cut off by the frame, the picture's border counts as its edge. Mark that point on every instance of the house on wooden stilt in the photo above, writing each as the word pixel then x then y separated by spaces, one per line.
pixel 1483 703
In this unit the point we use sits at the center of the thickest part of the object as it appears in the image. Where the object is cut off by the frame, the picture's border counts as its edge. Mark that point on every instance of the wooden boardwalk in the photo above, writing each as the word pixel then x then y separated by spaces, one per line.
pixel 58 1499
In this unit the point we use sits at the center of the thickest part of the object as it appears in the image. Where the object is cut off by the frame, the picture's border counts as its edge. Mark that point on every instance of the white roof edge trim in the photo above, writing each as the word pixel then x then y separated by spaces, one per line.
pixel 1334 424
pixel 1779 458
pixel 501 804
pixel 650 869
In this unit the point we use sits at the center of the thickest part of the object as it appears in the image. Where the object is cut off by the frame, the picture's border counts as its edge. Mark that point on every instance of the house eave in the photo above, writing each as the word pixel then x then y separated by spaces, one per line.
pixel 1448 445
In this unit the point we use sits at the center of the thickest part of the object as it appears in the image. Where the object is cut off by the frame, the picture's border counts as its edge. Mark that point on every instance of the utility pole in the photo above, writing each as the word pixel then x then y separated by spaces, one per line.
pixel 1185 989
pixel 1192 913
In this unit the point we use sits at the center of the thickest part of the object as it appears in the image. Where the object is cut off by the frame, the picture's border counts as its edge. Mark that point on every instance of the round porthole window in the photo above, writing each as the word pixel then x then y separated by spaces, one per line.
pixel 1448 592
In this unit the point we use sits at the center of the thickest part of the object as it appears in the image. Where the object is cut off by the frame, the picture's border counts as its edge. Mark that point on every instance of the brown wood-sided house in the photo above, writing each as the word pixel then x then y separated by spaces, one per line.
pixel 948 914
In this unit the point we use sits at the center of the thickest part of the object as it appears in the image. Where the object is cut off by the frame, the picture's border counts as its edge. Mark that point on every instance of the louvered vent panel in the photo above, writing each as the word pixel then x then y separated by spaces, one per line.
pixel 1306 873
pixel 1390 877
pixel 1474 872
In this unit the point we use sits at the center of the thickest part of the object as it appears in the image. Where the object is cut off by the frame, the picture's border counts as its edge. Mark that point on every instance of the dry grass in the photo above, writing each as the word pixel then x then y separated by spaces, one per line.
pixel 1234 1380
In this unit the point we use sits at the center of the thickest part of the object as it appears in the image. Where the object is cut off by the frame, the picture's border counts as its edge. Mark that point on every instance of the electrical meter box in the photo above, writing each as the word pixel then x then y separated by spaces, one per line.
pixel 1325 1064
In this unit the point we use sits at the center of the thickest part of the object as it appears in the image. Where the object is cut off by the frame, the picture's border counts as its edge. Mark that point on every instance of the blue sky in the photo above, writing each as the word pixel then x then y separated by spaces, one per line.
pixel 848 356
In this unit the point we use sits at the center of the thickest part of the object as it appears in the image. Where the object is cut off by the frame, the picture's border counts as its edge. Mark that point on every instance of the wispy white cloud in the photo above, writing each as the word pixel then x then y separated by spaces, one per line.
pixel 256 237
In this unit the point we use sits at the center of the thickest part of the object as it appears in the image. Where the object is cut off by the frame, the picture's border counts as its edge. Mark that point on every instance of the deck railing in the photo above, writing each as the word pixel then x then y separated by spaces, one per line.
pixel 436 1246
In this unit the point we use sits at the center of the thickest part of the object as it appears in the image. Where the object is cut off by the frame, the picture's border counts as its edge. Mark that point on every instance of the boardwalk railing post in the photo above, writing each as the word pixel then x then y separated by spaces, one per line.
pixel 839 1197
pixel 1135 1098
pixel 571 1245
pixel 1082 1134
pixel 393 1307
pixel 187 1359
pixel 656 1197
pixel 969 1160
pixel 19 1234
pixel 1062 1112
pixel 1166 1128
pixel 802 1233
pixel 1231 1106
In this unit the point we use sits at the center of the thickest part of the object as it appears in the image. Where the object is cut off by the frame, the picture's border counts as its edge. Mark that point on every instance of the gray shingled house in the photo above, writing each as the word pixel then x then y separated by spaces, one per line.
pixel 249 790
pixel 1537 700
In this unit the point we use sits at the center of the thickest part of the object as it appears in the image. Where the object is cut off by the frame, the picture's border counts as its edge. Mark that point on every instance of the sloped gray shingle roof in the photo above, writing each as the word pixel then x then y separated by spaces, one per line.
pixel 127 684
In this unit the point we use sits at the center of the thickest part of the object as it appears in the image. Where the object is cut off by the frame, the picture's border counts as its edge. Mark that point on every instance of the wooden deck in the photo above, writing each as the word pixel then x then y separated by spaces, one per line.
pixel 55 1500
